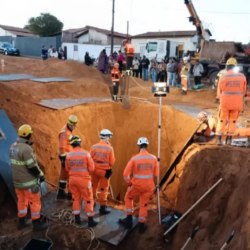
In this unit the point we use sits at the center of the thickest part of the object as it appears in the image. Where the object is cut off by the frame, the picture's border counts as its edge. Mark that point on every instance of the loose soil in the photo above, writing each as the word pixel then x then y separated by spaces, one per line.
pixel 225 209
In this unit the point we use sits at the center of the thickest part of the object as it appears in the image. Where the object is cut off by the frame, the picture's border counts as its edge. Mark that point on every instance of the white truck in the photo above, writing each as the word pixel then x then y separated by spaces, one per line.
pixel 161 49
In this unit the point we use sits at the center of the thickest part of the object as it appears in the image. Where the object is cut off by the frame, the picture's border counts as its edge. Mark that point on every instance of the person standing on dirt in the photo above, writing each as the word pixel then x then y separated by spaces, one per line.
pixel 145 65
pixel 103 62
pixel 104 159
pixel 232 89
pixel 184 77
pixel 129 52
pixel 197 72
pixel 79 166
pixel 27 177
pixel 64 148
pixel 139 176
pixel 121 60
pixel 116 80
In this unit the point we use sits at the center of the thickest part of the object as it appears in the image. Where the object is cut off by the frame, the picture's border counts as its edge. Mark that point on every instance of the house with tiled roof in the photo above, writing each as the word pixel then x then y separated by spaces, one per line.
pixel 91 35
pixel 14 31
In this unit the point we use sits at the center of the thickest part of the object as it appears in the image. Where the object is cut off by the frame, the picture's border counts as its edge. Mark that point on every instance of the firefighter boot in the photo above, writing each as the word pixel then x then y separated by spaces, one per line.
pixel 91 222
pixel 127 222
pixel 40 224
pixel 218 140
pixel 229 140
pixel 142 227
pixel 69 196
pixel 22 223
pixel 61 191
pixel 77 219
pixel 103 210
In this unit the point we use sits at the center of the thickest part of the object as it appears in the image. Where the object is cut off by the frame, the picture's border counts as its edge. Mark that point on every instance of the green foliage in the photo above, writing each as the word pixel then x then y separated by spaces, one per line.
pixel 44 25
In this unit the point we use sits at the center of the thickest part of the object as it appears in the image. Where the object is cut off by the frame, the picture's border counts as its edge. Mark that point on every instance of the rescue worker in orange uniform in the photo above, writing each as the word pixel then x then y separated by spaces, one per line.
pixel 184 77
pixel 232 89
pixel 207 129
pixel 130 52
pixel 27 177
pixel 64 148
pixel 104 159
pixel 116 80
pixel 79 166
pixel 139 176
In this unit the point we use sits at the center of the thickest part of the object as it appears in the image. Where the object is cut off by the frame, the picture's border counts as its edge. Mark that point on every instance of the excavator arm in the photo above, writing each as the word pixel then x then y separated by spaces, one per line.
pixel 194 18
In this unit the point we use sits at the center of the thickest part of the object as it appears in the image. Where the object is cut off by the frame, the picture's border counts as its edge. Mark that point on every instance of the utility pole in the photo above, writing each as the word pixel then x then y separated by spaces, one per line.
pixel 112 27
pixel 127 28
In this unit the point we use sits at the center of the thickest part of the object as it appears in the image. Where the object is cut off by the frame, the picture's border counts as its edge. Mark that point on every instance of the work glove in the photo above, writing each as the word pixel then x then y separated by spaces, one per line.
pixel 62 159
pixel 108 173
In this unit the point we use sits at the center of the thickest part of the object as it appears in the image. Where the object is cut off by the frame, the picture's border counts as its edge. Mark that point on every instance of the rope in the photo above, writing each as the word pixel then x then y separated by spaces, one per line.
pixel 66 217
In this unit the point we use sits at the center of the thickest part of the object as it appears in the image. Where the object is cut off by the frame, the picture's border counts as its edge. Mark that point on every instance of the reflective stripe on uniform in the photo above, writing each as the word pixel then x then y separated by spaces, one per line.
pixel 35 214
pixel 141 218
pixel 25 184
pixel 139 157
pixel 102 147
pixel 90 214
pixel 23 211
pixel 231 93
pixel 78 170
pixel 76 154
pixel 137 176
pixel 21 163
pixel 75 212
pixel 232 75
pixel 129 210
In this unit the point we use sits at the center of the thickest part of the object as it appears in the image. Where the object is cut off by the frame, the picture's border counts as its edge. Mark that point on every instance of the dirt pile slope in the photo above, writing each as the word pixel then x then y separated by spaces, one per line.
pixel 226 208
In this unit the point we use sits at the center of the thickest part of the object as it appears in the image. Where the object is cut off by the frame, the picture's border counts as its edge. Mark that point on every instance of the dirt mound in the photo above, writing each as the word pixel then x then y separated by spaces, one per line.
pixel 225 209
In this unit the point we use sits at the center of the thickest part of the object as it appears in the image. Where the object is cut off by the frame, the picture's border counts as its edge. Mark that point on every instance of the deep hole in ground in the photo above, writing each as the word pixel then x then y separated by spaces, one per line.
pixel 225 209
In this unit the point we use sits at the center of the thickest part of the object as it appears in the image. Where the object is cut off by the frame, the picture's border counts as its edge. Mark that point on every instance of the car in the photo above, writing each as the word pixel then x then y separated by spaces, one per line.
pixel 8 49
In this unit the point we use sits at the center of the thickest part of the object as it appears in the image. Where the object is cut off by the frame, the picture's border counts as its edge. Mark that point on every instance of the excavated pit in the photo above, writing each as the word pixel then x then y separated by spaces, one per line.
pixel 225 209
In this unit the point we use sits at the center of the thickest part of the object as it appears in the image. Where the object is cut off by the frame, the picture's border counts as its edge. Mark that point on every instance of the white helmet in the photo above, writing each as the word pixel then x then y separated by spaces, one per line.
pixel 142 140
pixel 202 116
pixel 105 133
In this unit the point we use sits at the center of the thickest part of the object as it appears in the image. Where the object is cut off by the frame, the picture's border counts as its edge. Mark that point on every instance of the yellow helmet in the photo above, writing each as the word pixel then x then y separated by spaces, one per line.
pixel 25 130
pixel 72 120
pixel 231 61
pixel 75 140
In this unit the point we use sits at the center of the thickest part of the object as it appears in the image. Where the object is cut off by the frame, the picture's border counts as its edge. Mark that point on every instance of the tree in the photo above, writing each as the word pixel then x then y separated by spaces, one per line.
pixel 44 25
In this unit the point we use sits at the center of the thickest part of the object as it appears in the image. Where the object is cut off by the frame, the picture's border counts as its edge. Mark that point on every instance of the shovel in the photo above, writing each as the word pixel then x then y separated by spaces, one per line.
pixel 194 231
pixel 228 240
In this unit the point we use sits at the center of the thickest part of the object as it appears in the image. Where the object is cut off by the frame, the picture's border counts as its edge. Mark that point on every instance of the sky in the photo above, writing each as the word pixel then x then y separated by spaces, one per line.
pixel 228 20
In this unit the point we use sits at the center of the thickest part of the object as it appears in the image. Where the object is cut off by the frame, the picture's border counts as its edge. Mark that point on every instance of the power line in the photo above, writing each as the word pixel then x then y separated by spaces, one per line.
pixel 227 13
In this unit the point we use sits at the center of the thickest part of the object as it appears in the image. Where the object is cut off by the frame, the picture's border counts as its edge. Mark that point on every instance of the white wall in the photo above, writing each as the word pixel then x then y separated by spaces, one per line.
pixel 84 38
pixel 140 43
pixel 6 33
pixel 93 49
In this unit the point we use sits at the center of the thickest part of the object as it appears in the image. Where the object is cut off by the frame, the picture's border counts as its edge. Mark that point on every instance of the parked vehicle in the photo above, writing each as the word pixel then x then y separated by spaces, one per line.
pixel 161 49
pixel 8 49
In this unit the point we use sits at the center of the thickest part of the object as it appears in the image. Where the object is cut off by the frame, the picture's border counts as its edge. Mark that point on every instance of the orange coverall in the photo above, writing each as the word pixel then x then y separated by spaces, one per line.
pixel 142 167
pixel 104 158
pixel 116 76
pixel 64 148
pixel 79 165
pixel 184 75
pixel 130 51
pixel 232 89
